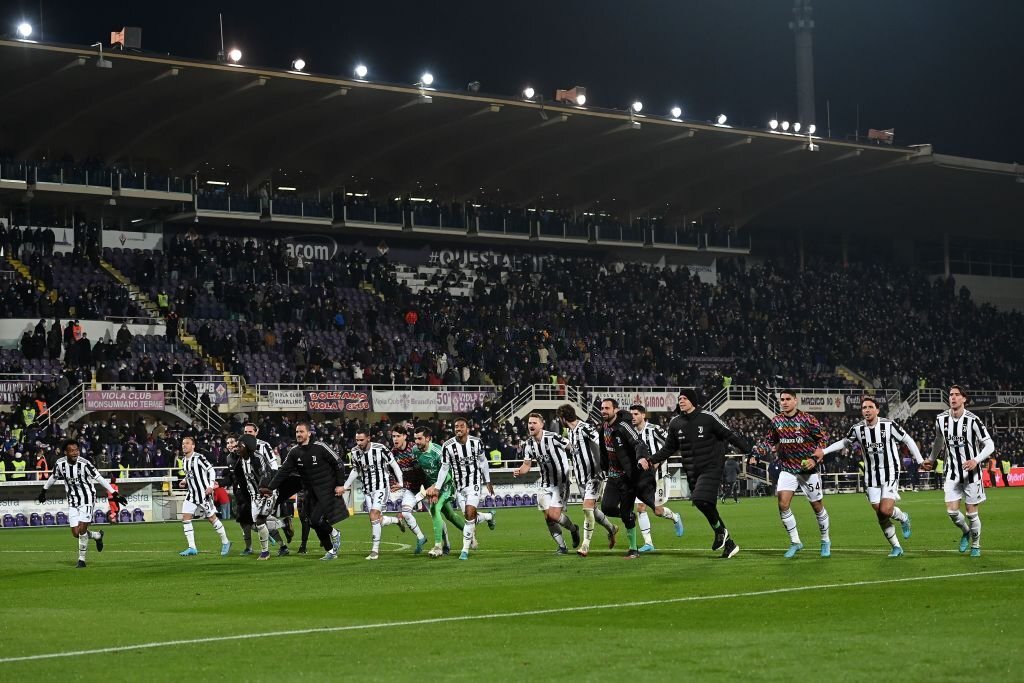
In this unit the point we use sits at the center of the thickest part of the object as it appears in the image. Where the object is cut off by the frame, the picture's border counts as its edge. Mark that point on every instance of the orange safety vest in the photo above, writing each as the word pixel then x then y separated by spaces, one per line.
pixel 42 469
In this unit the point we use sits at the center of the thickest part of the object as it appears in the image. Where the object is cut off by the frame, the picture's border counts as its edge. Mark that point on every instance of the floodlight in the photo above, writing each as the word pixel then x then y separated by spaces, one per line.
pixel 773 124
pixel 24 29
pixel 235 55
pixel 299 64
pixel 361 71
pixel 529 92
pixel 785 125
pixel 427 78
pixel 722 118
pixel 581 99
pixel 796 127
pixel 676 112
pixel 811 129
pixel 637 106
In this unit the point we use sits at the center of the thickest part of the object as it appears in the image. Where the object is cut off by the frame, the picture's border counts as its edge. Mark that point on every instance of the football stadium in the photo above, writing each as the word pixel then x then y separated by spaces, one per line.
pixel 341 364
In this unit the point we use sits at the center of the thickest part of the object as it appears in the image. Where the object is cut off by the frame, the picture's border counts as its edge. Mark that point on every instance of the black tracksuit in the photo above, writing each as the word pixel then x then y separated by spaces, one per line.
pixel 700 438
pixel 320 472
pixel 621 448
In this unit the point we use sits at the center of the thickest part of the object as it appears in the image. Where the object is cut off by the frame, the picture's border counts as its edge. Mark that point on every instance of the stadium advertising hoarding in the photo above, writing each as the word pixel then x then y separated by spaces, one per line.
pixel 853 402
pixel 218 391
pixel 10 392
pixel 124 400
pixel 283 399
pixel 349 401
pixel 823 403
pixel 20 499
pixel 653 401
pixel 444 401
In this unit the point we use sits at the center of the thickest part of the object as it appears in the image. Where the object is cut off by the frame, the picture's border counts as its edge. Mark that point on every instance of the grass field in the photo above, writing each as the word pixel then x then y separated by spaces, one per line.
pixel 516 611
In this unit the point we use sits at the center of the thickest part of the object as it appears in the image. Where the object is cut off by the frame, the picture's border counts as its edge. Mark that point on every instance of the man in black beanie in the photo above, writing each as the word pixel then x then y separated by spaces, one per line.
pixel 700 438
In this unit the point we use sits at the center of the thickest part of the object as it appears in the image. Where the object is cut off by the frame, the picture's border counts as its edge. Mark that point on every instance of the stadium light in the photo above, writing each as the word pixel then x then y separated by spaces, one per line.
pixel 576 95
pixel 528 93
pixel 299 64
pixel 773 124
pixel 235 55
pixel 637 107
pixel 722 118
pixel 427 79
pixel 785 125
pixel 581 99
pixel 361 71
pixel 811 129
pixel 676 112
pixel 24 29
pixel 796 127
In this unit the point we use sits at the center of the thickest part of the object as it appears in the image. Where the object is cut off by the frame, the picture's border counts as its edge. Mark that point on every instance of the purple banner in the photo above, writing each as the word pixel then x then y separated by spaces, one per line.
pixel 336 401
pixel 124 400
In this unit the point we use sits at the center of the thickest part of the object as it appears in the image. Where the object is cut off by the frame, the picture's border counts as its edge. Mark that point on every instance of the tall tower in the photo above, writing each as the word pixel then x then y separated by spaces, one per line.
pixel 802 27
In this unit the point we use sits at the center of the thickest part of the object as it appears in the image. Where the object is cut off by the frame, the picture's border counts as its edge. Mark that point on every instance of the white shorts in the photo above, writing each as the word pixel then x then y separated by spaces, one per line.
pixel 890 490
pixel 376 500
pixel 553 496
pixel 204 509
pixel 660 494
pixel 972 493
pixel 82 513
pixel 262 506
pixel 593 488
pixel 469 496
pixel 404 497
pixel 809 484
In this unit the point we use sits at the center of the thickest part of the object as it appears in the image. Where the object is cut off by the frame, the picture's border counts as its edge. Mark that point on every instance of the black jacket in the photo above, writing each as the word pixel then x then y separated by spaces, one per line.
pixel 316 465
pixel 627 448
pixel 700 438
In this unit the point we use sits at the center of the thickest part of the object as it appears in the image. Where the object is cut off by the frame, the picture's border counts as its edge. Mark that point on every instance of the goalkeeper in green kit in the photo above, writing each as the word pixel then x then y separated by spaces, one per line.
pixel 428 454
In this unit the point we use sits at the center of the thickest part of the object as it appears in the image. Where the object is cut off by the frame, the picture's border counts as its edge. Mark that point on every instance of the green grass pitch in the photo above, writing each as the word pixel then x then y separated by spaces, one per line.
pixel 516 611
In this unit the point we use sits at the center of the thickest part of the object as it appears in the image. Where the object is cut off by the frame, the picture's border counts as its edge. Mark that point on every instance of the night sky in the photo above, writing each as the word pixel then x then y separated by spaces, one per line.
pixel 945 72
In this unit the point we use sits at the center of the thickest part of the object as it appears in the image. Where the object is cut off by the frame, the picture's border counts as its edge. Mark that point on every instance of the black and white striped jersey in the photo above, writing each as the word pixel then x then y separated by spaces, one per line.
pixel 271 460
pixel 374 467
pixel 962 439
pixel 551 456
pixel 880 448
pixel 199 476
pixel 467 462
pixel 78 481
pixel 654 436
pixel 585 451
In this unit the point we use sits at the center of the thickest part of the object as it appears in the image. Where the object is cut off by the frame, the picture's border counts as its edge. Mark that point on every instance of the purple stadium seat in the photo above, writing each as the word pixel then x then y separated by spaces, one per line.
pixel 518 500
pixel 138 515
pixel 48 519
pixel 489 501
pixel 8 521
pixel 62 518
pixel 99 517
pixel 125 516
pixel 510 500
pixel 20 519
pixel 35 519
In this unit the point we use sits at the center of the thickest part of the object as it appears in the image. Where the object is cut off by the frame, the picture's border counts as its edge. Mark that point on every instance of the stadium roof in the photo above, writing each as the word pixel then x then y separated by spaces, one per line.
pixel 189 115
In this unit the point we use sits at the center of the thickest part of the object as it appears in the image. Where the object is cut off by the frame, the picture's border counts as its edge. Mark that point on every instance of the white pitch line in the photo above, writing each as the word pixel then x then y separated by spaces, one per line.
pixel 499 615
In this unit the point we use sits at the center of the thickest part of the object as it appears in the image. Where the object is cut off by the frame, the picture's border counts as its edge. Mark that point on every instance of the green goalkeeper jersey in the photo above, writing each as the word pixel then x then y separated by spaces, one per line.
pixel 430 461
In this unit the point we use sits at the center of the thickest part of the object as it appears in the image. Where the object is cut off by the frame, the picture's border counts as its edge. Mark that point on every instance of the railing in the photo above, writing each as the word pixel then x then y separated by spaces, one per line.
pixel 61 407
pixel 174 396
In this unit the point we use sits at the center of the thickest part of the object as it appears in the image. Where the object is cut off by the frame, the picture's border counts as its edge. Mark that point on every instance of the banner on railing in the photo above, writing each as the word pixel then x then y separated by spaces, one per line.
pixel 653 401
pixel 1015 478
pixel 124 400
pixel 852 402
pixel 10 392
pixel 718 364
pixel 823 403
pixel 443 401
pixel 982 399
pixel 336 401
pixel 218 391
pixel 283 399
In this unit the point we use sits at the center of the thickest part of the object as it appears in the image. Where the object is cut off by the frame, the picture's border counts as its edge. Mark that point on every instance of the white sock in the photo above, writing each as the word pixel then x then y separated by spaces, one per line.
pixel 94 535
pixel 789 524
pixel 958 519
pixel 603 520
pixel 190 535
pixel 467 535
pixel 643 521
pixel 410 520
pixel 666 513
pixel 899 515
pixel 218 526
pixel 83 546
pixel 556 533
pixel 386 520
pixel 484 516
pixel 975 527
pixel 588 525
pixel 890 535
pixel 823 523
pixel 264 533
pixel 375 529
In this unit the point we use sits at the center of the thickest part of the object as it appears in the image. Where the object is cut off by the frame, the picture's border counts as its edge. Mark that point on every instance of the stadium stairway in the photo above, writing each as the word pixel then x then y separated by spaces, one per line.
pixel 140 297
pixel 22 270
pixel 851 376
